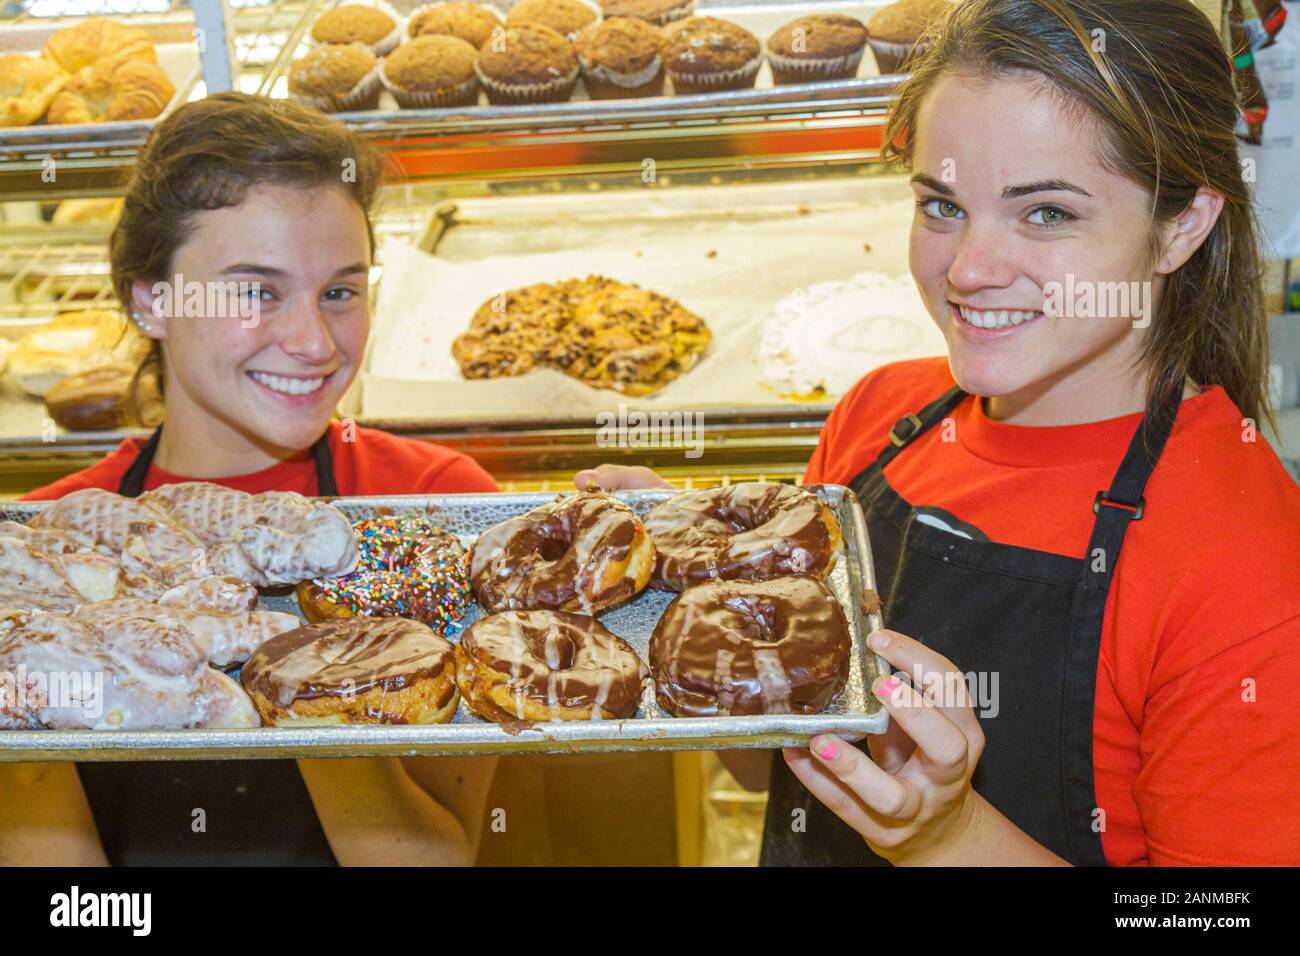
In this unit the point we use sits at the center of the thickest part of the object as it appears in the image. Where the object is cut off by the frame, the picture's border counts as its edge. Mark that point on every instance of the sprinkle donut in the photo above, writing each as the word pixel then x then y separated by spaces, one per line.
pixel 547 665
pixel 738 648
pixel 750 531
pixel 583 552
pixel 407 568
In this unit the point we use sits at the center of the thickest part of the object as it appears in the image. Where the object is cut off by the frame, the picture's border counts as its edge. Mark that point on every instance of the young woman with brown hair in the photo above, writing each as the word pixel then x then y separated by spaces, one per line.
pixel 270 201
pixel 1073 508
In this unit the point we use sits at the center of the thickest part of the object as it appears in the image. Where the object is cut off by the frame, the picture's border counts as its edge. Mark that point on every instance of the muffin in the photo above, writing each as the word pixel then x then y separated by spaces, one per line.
pixel 566 17
pixel 376 26
pixel 335 77
pixel 893 31
pixel 531 64
pixel 620 59
pixel 705 55
pixel 432 70
pixel 823 47
pixel 658 12
pixel 472 22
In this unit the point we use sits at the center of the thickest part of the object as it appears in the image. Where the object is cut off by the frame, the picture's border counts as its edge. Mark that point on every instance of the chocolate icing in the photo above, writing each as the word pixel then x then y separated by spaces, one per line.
pixel 558 659
pixel 555 555
pixel 349 656
pixel 733 648
pixel 749 531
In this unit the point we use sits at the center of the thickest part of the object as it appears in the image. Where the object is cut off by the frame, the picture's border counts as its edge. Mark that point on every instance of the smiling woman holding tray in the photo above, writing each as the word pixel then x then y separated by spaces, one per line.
pixel 1075 502
pixel 271 199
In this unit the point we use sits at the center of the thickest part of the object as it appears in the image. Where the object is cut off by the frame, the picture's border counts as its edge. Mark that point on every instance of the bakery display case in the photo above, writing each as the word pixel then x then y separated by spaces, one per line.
pixel 688 197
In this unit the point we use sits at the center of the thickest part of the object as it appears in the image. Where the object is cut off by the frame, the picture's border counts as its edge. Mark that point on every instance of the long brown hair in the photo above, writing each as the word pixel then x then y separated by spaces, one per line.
pixel 208 155
pixel 1158 82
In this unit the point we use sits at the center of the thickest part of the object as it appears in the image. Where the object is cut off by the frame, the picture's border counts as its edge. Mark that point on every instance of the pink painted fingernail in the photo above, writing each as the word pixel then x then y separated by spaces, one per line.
pixel 826 750
pixel 887 686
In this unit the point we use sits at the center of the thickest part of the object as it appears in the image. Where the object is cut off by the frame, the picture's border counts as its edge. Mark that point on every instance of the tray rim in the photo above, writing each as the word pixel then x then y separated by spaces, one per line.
pixel 484 738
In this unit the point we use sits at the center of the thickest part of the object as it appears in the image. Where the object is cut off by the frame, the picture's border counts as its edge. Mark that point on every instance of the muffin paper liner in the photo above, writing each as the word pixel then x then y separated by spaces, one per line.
pixel 558 89
pixel 789 69
pixel 737 79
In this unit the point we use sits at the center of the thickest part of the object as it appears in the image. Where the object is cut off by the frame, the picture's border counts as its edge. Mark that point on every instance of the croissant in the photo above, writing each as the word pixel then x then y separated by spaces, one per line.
pixel 27 86
pixel 98 40
pixel 108 91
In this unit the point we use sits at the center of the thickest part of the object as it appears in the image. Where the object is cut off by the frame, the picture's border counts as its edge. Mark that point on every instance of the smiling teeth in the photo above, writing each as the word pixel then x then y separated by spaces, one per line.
pixel 290 386
pixel 994 319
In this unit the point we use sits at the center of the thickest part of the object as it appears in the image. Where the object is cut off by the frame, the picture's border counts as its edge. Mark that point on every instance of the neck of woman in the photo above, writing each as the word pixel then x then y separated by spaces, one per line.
pixel 197 445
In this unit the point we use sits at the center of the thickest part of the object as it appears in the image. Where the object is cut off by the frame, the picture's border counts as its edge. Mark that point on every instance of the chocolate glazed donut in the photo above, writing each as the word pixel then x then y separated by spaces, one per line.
pixel 358 670
pixel 737 648
pixel 547 665
pixel 746 532
pixel 583 552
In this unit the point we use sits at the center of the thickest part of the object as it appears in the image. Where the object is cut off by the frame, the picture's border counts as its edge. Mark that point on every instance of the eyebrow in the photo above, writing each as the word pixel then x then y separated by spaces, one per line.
pixel 1011 192
pixel 251 268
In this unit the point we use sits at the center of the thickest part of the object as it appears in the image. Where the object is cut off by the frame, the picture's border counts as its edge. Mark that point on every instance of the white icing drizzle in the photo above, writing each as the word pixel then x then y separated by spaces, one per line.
pixel 772 679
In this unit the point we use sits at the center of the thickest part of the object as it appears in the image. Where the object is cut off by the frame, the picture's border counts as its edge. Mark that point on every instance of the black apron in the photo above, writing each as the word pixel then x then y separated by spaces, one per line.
pixel 1033 617
pixel 254 812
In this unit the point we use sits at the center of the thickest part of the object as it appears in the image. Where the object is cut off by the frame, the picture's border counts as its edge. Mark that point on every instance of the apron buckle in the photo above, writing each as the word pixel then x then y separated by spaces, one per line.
pixel 1135 511
pixel 910 420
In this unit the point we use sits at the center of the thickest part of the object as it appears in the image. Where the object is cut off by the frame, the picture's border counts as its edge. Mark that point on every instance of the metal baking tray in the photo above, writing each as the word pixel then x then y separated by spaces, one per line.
pixel 853 716
pixel 761 17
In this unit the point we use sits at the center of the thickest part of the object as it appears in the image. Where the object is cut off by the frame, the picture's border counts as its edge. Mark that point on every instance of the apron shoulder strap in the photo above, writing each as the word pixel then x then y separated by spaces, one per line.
pixel 132 483
pixel 912 425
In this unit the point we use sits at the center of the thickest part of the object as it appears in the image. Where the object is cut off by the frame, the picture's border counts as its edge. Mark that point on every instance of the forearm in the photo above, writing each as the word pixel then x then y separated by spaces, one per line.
pixel 987 838
pixel 374 815
pixel 44 817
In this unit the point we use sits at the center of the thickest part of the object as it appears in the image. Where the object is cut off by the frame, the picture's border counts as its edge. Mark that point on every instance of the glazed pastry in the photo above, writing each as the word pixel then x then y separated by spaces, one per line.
pixel 735 648
pixel 98 40
pixel 407 568
pixel 58 579
pixel 383 670
pixel 106 92
pixel 230 637
pixel 547 665
pixel 27 86
pixel 605 333
pixel 748 531
pixel 72 343
pixel 582 552
pixel 194 529
pixel 155 675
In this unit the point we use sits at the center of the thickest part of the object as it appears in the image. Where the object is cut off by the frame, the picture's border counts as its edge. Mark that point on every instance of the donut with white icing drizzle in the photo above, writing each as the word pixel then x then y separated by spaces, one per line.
pixel 583 552
pixel 739 648
pixel 749 531
pixel 547 665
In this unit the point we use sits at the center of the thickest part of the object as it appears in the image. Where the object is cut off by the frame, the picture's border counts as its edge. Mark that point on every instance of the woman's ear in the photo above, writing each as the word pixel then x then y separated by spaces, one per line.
pixel 150 305
pixel 1185 233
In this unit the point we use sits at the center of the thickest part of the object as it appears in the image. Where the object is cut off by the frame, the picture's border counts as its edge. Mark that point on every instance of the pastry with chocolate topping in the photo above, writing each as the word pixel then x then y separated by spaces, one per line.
pixel 583 552
pixel 738 648
pixel 749 531
pixel 547 665
pixel 384 670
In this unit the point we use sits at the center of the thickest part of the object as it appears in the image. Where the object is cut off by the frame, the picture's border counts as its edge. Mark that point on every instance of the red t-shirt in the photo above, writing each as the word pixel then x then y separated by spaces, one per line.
pixel 1196 729
pixel 372 463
